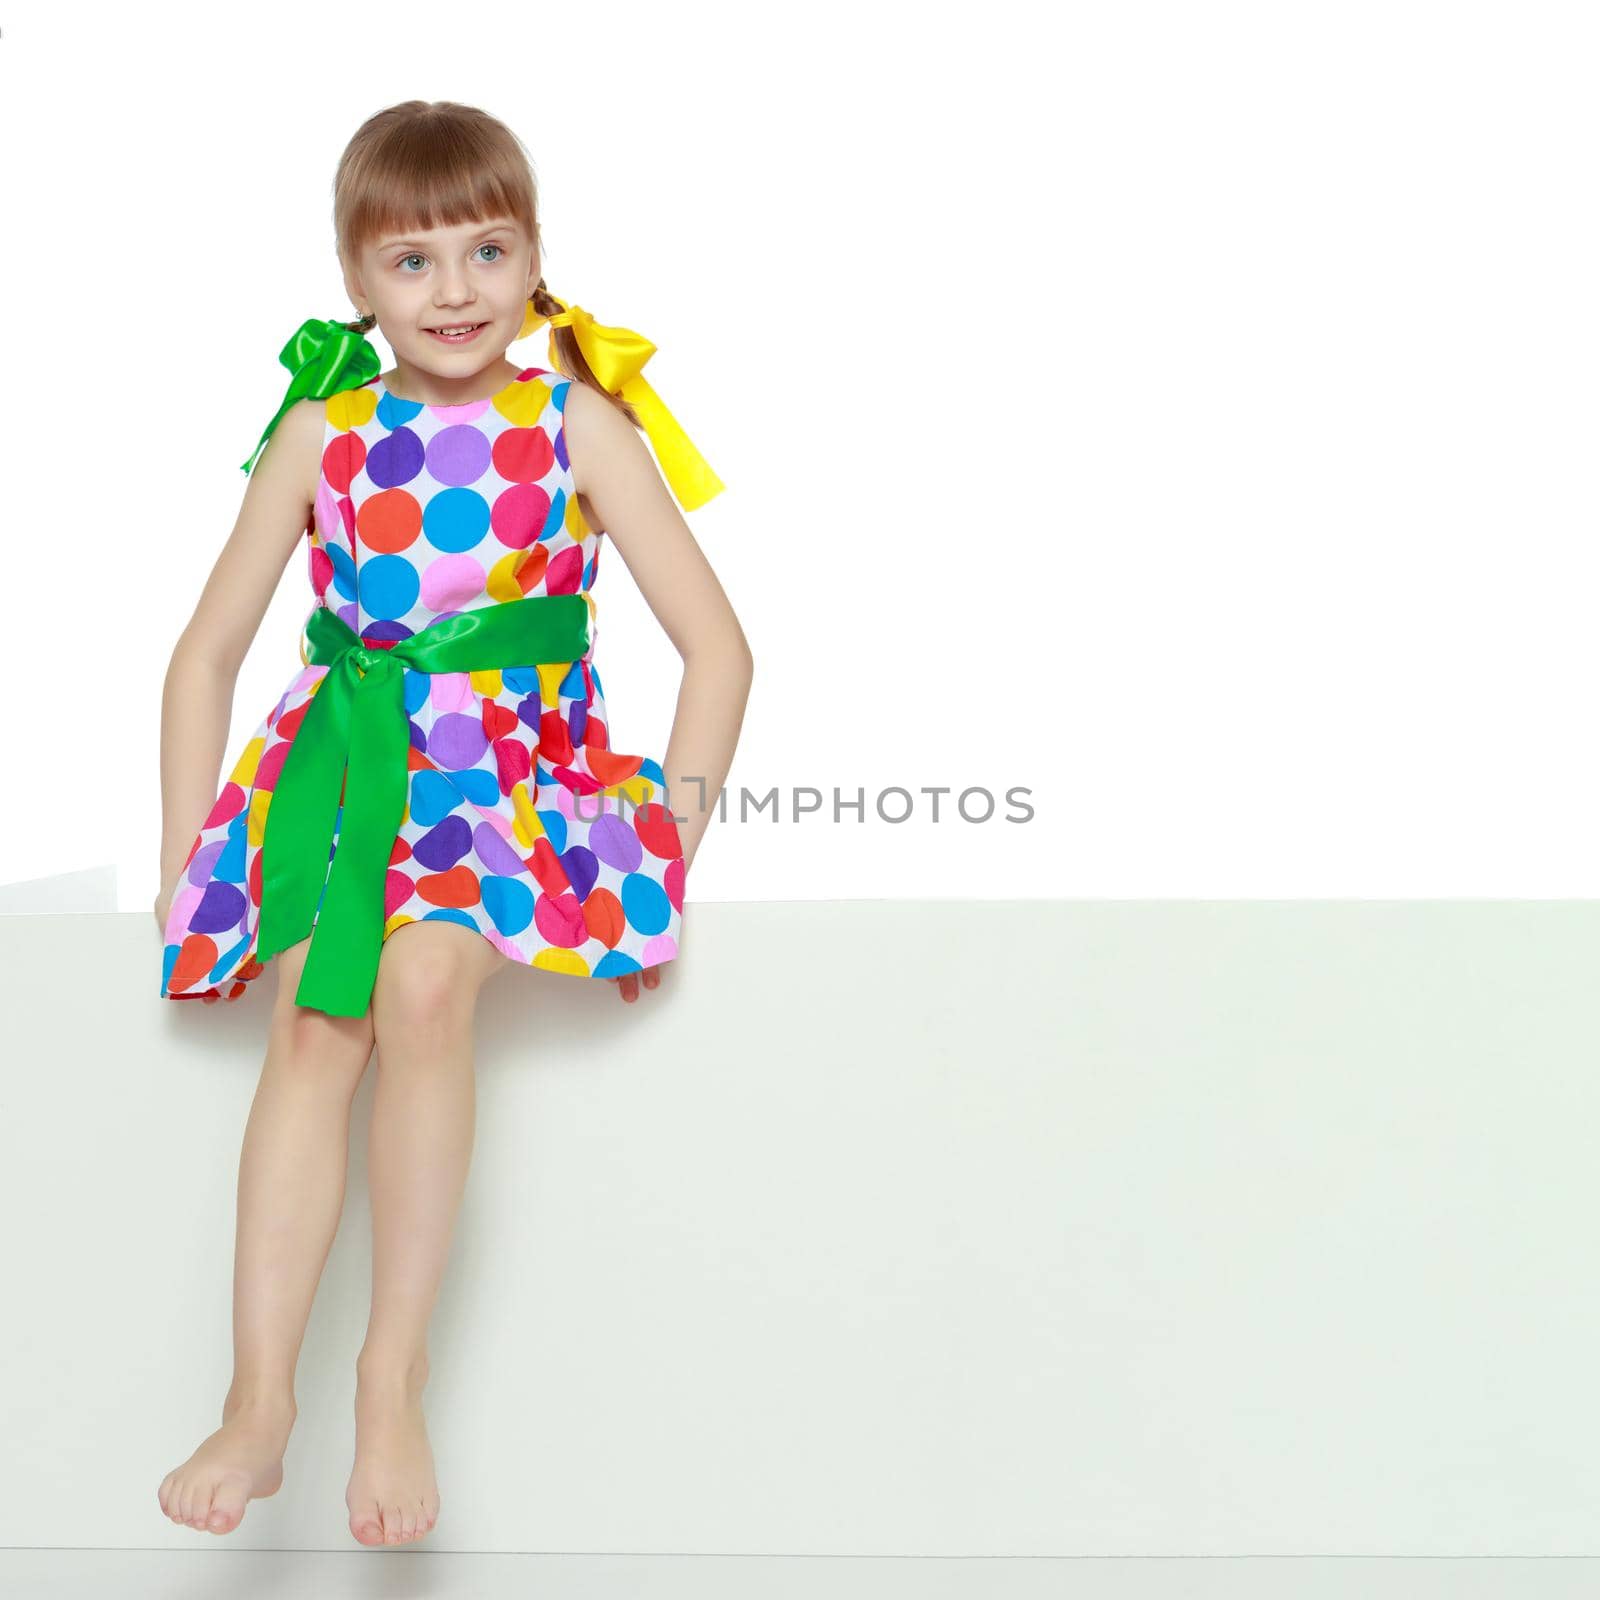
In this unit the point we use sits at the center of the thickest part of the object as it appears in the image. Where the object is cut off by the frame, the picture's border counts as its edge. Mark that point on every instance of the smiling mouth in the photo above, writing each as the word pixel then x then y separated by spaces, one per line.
pixel 461 333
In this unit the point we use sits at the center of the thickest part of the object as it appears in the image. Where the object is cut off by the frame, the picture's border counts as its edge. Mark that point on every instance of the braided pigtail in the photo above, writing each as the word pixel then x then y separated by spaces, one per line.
pixel 570 357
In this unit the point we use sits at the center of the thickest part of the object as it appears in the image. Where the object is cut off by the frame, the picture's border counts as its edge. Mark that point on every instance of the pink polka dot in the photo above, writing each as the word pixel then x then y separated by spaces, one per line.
pixel 451 583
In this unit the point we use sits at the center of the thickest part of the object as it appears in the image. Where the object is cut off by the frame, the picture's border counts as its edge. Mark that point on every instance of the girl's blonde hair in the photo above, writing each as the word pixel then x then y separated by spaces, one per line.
pixel 435 163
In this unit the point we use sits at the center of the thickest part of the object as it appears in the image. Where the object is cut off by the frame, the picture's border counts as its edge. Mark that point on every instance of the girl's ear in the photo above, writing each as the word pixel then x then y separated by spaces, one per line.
pixel 352 287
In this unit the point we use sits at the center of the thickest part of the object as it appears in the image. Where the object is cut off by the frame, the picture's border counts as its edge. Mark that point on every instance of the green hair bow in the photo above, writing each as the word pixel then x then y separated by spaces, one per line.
pixel 325 357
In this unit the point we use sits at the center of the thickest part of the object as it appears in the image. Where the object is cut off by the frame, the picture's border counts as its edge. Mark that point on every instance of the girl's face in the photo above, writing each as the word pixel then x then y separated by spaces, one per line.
pixel 478 272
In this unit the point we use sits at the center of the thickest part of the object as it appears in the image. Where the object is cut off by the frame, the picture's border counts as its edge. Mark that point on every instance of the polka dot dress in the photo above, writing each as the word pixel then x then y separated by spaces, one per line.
pixel 521 821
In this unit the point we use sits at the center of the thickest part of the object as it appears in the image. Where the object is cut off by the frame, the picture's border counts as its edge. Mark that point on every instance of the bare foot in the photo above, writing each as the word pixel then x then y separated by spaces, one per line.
pixel 393 1496
pixel 240 1462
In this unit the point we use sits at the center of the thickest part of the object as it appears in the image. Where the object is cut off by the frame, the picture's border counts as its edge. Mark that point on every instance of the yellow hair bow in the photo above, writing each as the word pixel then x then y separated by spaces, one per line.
pixel 617 356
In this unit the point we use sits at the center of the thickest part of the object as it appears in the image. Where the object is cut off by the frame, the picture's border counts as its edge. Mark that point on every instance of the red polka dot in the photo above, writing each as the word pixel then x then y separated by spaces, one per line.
pixel 513 763
pixel 658 833
pixel 532 569
pixel 197 955
pixel 519 515
pixel 559 919
pixel 524 455
pixel 610 767
pixel 604 917
pixel 389 521
pixel 564 575
pixel 546 867
pixel 345 456
pixel 456 889
pixel 228 805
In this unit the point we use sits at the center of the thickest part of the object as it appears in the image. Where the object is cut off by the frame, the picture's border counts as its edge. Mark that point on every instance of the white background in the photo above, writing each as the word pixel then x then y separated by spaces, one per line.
pixel 1187 412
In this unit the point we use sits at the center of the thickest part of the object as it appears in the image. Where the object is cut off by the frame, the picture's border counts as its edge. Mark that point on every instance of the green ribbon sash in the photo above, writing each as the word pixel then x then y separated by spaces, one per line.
pixel 356 734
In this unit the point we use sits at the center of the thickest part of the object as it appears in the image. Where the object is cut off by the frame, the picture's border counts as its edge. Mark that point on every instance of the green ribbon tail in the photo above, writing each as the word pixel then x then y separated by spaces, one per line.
pixel 295 845
pixel 342 965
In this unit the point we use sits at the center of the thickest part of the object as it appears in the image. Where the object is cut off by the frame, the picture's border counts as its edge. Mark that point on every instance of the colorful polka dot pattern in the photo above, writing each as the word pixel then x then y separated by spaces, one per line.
pixel 520 819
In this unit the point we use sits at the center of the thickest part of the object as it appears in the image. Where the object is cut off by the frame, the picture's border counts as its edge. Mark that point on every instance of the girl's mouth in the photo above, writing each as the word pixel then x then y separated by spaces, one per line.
pixel 471 332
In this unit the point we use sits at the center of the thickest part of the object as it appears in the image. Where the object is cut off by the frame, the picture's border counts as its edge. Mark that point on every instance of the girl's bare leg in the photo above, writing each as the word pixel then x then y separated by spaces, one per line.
pixel 291 1191
pixel 418 1152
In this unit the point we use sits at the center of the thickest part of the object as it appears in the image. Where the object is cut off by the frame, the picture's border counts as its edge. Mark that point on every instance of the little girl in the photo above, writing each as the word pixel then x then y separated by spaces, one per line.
pixel 435 794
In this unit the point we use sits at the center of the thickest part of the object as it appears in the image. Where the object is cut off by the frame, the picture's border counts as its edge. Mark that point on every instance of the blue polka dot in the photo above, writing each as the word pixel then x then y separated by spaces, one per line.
pixel 645 903
pixel 230 864
pixel 613 964
pixel 230 958
pixel 557 519
pixel 479 784
pixel 555 825
pixel 509 903
pixel 389 586
pixel 415 689
pixel 455 519
pixel 344 571
pixel 450 914
pixel 433 797
pixel 393 412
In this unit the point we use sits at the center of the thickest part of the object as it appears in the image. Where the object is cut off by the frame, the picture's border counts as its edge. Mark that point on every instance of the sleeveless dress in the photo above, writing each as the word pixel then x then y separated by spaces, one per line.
pixel 521 821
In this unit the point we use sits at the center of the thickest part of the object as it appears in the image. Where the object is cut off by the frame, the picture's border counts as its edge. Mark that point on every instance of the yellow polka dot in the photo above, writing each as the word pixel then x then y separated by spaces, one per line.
pixel 523 403
pixel 526 824
pixel 501 583
pixel 638 789
pixel 486 680
pixel 255 828
pixel 576 523
pixel 398 920
pixel 551 674
pixel 351 408
pixel 567 961
pixel 244 772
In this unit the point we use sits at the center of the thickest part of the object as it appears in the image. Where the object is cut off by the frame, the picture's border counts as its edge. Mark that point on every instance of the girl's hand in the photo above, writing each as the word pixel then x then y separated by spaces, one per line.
pixel 628 982
pixel 163 902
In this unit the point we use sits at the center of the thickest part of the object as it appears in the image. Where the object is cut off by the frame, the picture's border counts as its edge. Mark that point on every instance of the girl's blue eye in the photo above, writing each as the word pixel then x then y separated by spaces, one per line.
pixel 416 256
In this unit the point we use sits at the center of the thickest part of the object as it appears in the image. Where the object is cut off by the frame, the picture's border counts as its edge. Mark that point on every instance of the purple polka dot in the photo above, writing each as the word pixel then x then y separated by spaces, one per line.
pixel 220 908
pixel 440 848
pixel 496 852
pixel 581 869
pixel 459 455
pixel 614 841
pixel 457 741
pixel 205 858
pixel 395 459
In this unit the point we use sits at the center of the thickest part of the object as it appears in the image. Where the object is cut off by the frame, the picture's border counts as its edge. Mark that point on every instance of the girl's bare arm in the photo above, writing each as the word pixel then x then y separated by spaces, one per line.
pixel 197 698
pixel 616 474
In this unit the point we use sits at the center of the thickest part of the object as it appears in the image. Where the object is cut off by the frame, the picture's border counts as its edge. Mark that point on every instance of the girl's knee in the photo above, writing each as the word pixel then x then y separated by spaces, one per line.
pixel 323 1043
pixel 429 969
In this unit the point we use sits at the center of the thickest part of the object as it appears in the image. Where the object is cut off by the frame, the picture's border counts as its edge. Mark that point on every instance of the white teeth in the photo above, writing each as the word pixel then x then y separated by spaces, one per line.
pixel 465 327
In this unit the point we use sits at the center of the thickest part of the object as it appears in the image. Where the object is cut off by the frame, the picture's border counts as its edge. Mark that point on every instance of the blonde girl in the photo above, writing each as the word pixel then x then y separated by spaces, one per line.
pixel 435 794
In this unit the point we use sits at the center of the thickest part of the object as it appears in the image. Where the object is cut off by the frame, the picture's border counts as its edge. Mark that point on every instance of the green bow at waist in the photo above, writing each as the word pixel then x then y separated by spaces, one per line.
pixel 356 733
